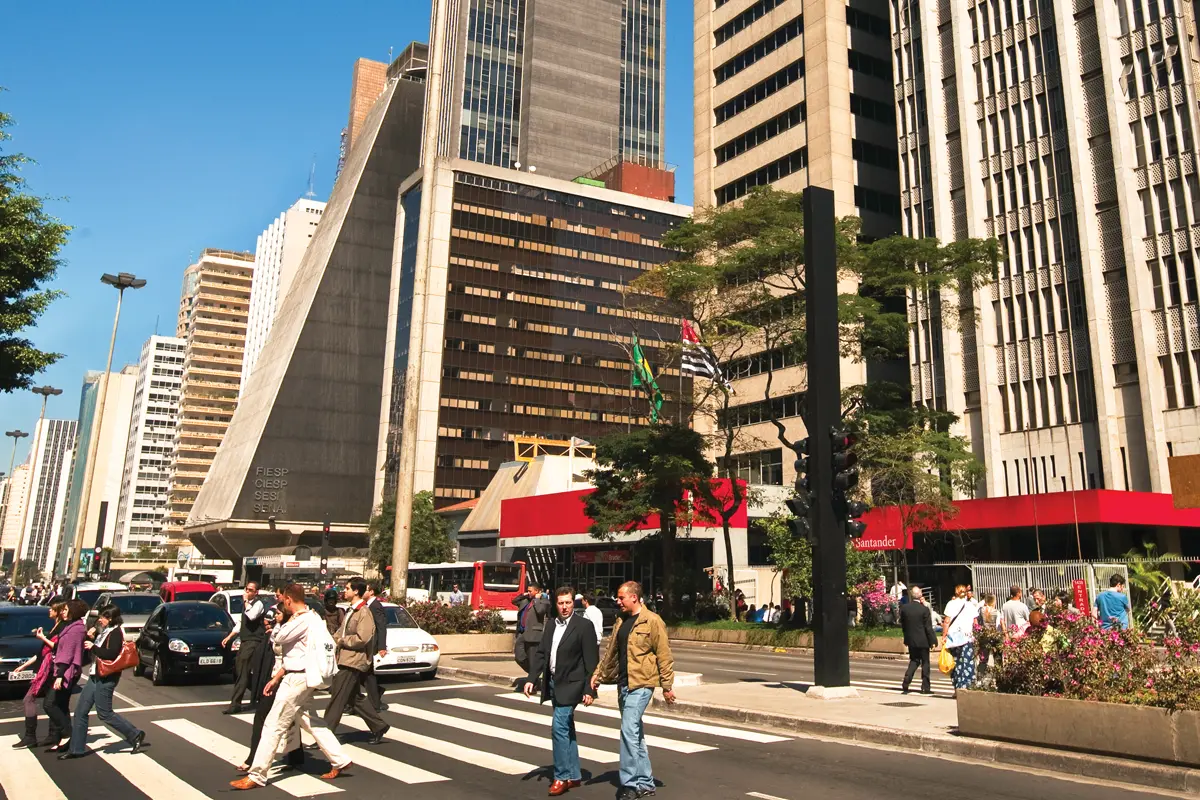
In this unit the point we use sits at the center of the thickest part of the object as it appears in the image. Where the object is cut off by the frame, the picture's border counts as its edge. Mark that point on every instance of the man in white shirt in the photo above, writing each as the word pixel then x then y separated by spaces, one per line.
pixel 1014 612
pixel 293 696
pixel 592 614
pixel 774 613
pixel 457 598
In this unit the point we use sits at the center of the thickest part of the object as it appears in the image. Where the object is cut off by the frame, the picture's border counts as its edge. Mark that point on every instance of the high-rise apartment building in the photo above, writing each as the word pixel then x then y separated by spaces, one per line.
pixel 1069 133
pixel 42 531
pixel 107 450
pixel 145 478
pixel 277 254
pixel 13 517
pixel 214 307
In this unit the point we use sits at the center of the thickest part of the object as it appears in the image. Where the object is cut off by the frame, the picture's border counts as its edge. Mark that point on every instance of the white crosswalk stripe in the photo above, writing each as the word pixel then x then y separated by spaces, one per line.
pixel 541 742
pixel 21 775
pixel 235 753
pixel 580 727
pixel 940 689
pixel 458 752
pixel 152 778
pixel 670 722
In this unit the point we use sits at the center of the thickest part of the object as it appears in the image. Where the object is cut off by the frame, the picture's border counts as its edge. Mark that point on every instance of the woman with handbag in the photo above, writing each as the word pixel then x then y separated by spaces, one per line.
pixel 958 630
pixel 65 673
pixel 110 656
pixel 41 681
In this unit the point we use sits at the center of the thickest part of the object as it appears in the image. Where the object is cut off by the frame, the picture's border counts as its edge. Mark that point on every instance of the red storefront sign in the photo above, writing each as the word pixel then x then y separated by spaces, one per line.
pixel 883 541
pixel 1081 595
pixel 602 556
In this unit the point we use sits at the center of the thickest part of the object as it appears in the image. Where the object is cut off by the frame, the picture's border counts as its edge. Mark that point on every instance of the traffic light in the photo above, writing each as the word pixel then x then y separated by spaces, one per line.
pixel 845 474
pixel 802 482
pixel 799 525
pixel 855 527
pixel 324 567
pixel 325 534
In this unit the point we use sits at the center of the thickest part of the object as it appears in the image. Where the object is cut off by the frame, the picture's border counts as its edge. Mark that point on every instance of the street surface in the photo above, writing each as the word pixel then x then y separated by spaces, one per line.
pixel 460 741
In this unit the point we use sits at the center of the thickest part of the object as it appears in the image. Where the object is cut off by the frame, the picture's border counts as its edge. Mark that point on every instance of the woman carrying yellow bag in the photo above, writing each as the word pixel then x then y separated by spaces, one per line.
pixel 946 659
pixel 958 630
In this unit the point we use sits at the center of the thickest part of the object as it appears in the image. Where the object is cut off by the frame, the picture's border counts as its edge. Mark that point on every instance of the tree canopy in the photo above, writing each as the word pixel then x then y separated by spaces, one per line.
pixel 429 539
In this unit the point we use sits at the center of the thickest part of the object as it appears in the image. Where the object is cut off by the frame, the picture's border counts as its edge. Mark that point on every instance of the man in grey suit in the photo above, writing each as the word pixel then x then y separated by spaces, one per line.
pixel 533 608
pixel 916 620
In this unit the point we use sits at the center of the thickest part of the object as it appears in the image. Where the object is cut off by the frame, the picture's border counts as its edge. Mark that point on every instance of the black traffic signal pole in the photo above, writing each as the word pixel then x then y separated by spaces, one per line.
pixel 831 636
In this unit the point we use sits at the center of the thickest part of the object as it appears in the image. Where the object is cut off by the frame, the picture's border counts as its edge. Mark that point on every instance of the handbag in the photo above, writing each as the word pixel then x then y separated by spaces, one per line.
pixel 126 659
pixel 946 658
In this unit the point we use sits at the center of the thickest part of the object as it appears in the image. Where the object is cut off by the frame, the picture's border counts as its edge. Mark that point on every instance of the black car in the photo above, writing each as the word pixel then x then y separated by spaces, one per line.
pixel 184 638
pixel 17 642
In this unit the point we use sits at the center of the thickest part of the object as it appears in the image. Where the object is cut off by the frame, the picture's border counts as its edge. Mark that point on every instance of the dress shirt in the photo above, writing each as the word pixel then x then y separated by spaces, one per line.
pixel 255 608
pixel 560 629
pixel 597 619
pixel 292 639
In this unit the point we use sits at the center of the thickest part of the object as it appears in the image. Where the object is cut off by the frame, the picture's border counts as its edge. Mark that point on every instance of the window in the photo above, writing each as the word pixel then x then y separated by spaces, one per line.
pixel 875 155
pixel 761 91
pixel 761 133
pixel 761 363
pixel 869 65
pixel 790 405
pixel 744 20
pixel 882 202
pixel 792 162
pixel 872 109
pixel 761 468
pixel 872 24
pixel 760 49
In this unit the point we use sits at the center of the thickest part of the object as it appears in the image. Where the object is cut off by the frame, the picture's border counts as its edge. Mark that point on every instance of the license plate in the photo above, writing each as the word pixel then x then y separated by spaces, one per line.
pixel 27 675
pixel 211 661
pixel 405 659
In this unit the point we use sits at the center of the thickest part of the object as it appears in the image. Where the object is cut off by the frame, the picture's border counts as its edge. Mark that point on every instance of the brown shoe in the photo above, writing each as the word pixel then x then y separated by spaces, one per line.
pixel 243 783
pixel 560 787
pixel 574 784
pixel 334 772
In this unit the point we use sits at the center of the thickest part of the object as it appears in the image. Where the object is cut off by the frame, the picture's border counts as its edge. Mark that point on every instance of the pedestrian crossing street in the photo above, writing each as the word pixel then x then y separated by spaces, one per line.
pixel 477 738
pixel 941 687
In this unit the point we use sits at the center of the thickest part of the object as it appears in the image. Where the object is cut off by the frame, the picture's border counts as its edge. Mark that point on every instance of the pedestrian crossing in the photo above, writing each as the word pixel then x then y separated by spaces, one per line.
pixel 475 738
pixel 940 688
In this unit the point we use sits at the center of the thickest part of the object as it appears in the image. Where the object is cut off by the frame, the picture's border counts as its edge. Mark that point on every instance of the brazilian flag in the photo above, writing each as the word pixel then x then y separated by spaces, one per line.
pixel 642 375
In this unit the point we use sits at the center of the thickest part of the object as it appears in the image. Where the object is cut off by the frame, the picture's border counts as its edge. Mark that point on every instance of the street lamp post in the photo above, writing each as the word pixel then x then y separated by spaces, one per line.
pixel 120 282
pixel 16 436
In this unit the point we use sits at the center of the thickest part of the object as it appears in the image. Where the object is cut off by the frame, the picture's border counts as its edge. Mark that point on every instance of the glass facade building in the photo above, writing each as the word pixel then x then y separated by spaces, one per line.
pixel 642 82
pixel 491 100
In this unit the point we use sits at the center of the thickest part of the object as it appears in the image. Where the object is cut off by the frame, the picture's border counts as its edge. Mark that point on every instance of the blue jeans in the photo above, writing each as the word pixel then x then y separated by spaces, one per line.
pixel 97 692
pixel 635 769
pixel 566 747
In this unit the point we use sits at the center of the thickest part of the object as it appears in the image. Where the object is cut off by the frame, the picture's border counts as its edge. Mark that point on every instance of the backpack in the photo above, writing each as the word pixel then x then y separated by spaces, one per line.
pixel 322 655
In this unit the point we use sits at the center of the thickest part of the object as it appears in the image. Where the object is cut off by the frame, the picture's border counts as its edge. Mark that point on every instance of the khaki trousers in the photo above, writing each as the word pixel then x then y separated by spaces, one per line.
pixel 292 701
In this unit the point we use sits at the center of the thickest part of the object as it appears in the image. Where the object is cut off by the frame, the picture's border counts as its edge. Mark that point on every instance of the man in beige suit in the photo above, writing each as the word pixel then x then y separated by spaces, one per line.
pixel 354 653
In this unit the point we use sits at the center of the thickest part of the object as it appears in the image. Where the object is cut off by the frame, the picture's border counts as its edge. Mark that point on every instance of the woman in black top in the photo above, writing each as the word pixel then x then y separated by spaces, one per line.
pixel 105 645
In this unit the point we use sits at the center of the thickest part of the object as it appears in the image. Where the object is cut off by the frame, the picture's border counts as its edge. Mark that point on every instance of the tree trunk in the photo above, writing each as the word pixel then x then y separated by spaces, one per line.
pixel 730 583
pixel 667 541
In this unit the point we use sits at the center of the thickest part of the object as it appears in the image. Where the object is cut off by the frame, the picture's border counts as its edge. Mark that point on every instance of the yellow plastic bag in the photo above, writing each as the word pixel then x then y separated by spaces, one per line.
pixel 946 660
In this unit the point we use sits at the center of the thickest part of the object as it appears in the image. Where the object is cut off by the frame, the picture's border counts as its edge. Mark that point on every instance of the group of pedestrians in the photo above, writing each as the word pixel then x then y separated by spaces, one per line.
pixel 69 652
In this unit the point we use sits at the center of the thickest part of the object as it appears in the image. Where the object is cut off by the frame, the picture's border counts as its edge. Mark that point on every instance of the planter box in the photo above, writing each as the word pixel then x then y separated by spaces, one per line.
pixel 458 644
pixel 787 638
pixel 1108 728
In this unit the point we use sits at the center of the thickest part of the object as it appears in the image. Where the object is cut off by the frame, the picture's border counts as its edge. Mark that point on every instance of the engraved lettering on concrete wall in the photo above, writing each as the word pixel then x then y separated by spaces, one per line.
pixel 270 490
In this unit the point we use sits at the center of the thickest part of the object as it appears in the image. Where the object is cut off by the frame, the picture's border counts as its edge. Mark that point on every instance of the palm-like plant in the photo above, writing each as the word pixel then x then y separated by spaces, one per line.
pixel 1147 578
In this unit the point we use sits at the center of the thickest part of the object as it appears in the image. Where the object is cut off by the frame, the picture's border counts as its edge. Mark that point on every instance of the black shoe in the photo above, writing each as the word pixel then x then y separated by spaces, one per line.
pixel 382 707
pixel 21 744
pixel 378 738
pixel 905 690
pixel 68 756
pixel 232 710
pixel 137 742
pixel 644 793
pixel 59 748
pixel 627 793
pixel 927 691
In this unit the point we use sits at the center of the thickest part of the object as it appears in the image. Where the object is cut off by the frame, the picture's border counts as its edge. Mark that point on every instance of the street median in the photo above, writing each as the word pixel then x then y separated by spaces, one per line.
pixel 860 642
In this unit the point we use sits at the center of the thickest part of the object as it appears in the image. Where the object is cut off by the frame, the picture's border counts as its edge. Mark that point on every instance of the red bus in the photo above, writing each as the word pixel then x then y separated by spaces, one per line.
pixel 487 584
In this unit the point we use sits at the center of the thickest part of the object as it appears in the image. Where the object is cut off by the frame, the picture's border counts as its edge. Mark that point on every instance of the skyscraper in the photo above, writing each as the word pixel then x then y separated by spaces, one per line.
pixel 41 536
pixel 15 488
pixel 145 479
pixel 277 254
pixel 109 456
pixel 214 306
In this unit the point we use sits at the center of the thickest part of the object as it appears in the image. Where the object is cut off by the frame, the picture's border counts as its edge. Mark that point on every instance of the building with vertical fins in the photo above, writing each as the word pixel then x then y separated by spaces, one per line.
pixel 42 533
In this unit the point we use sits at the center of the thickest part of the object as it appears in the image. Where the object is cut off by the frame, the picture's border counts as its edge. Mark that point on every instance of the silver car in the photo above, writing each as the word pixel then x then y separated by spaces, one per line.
pixel 136 608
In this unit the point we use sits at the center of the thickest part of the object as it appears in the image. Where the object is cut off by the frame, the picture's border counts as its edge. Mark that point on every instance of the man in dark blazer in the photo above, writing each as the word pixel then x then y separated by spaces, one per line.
pixel 561 667
pixel 533 612
pixel 371 684
pixel 916 620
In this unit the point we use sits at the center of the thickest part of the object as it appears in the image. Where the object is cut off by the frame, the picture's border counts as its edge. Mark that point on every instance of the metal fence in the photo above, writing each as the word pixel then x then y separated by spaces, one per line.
pixel 1050 577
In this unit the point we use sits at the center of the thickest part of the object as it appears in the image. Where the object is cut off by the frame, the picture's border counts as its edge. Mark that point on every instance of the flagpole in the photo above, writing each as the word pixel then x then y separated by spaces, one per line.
pixel 629 418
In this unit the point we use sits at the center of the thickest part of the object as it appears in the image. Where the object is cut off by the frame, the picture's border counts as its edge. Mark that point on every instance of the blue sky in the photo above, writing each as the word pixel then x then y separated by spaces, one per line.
pixel 161 129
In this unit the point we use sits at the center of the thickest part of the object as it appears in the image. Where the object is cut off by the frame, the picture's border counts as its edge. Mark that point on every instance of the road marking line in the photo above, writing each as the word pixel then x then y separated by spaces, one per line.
pixel 433 688
pixel 670 722
pixel 233 753
pixel 744 672
pixel 149 776
pixel 467 755
pixel 22 775
pixel 580 727
pixel 762 796
pixel 368 759
pixel 494 732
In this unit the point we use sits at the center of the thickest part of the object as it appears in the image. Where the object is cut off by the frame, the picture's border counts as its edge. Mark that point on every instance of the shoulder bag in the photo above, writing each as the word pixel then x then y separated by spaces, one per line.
pixel 126 659
pixel 946 658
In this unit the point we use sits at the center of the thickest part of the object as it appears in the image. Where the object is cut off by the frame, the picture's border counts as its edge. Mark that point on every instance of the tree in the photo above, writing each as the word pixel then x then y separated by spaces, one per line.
pixel 1147 578
pixel 795 557
pixel 27 570
pixel 430 542
pixel 647 472
pixel 30 243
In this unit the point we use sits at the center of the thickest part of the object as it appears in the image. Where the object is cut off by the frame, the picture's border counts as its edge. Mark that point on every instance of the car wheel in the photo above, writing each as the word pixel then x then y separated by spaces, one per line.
pixel 428 675
pixel 139 669
pixel 159 673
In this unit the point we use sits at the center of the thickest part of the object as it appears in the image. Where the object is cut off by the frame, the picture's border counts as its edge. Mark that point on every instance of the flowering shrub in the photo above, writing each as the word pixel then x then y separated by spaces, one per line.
pixel 1185 613
pixel 988 638
pixel 1072 656
pixel 875 601
pixel 487 620
pixel 438 620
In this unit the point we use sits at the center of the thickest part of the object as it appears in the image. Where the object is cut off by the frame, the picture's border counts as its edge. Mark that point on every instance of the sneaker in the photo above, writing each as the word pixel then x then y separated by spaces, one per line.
pixel 627 793
pixel 644 792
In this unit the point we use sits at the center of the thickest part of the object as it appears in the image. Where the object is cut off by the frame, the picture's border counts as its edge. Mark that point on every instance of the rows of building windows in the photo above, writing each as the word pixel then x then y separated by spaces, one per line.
pixel 869 65
pixel 744 20
pixel 870 23
pixel 759 91
pixel 767 174
pixel 760 468
pixel 1039 403
pixel 873 200
pixel 761 363
pixel 782 407
pixel 874 154
pixel 761 133
pixel 867 108
pixel 759 50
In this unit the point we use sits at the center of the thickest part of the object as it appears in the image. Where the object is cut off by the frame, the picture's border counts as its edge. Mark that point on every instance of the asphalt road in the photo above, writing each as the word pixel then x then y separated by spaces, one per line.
pixel 455 741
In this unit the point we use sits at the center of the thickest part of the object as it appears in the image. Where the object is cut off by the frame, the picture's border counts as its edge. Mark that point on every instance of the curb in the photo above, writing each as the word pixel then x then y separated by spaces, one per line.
pixel 864 655
pixel 1137 773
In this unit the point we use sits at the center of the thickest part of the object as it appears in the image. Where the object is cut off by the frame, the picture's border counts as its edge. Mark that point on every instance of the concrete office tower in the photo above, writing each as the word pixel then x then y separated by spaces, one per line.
pixel 145 479
pixel 15 488
pixel 1068 132
pixel 99 529
pixel 792 93
pixel 526 331
pixel 369 80
pixel 214 306
pixel 303 442
pixel 277 254
pixel 41 532
pixel 557 85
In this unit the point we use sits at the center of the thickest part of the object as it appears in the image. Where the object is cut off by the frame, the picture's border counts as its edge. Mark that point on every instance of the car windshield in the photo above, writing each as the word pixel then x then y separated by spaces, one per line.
pixel 89 596
pixel 399 617
pixel 198 617
pixel 22 624
pixel 136 605
pixel 202 594
pixel 237 604
pixel 501 577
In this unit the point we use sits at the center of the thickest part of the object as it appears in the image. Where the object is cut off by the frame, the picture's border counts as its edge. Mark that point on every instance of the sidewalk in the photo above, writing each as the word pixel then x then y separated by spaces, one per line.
pixel 911 722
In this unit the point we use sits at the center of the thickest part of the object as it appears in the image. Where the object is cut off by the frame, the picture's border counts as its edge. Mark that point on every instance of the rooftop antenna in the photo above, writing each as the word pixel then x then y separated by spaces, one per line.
pixel 156 316
pixel 312 174
pixel 389 61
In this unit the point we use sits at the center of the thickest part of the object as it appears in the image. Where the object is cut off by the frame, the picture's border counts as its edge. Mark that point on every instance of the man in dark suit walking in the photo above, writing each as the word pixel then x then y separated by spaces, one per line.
pixel 561 668
pixel 533 609
pixel 916 620
pixel 378 648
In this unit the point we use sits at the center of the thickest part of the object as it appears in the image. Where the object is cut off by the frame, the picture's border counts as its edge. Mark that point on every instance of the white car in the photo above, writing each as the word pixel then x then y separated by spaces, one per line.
pixel 409 649
pixel 232 602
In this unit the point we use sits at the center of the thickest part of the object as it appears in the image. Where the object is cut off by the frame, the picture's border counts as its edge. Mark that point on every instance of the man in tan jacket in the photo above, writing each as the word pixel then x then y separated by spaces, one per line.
pixel 355 652
pixel 638 660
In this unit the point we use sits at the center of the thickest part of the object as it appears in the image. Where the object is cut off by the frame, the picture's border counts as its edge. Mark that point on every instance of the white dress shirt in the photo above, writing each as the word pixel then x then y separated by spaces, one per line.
pixel 254 609
pixel 291 639
pixel 597 619
pixel 560 630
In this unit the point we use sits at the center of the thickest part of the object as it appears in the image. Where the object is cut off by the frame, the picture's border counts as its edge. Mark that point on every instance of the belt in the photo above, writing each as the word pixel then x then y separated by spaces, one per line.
pixel 294 672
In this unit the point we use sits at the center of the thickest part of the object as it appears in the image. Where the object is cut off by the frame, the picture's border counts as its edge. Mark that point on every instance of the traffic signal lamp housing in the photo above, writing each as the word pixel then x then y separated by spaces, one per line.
pixel 854 526
pixel 802 481
pixel 324 566
pixel 800 506
pixel 843 459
